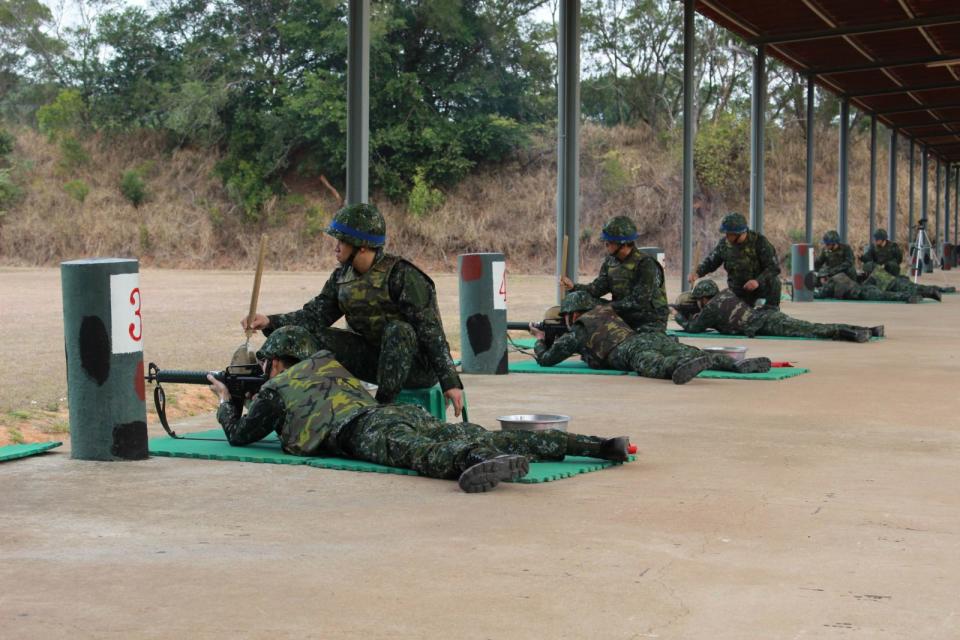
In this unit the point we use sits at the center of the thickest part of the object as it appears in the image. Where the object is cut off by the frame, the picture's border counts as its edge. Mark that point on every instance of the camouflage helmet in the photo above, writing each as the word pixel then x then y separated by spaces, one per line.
pixel 733 223
pixel 619 229
pixel 577 301
pixel 359 225
pixel 705 289
pixel 290 341
pixel 880 234
pixel 831 237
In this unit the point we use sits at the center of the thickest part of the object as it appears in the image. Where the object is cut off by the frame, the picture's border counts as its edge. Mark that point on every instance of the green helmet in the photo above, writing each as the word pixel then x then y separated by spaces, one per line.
pixel 290 341
pixel 705 289
pixel 831 237
pixel 359 225
pixel 880 234
pixel 619 229
pixel 733 223
pixel 577 301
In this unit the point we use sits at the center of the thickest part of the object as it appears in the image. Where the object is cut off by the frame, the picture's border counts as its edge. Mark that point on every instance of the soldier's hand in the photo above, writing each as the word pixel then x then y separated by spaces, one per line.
pixel 750 285
pixel 566 282
pixel 219 389
pixel 539 334
pixel 692 277
pixel 454 397
pixel 260 321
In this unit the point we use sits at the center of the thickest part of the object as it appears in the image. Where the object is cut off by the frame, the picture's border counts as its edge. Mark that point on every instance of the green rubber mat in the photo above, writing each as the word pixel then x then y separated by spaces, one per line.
pixel 14 451
pixel 578 366
pixel 528 343
pixel 868 301
pixel 211 445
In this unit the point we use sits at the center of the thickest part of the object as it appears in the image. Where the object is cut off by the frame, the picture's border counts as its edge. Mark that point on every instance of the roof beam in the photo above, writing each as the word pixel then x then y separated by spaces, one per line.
pixel 927 107
pixel 935 123
pixel 872 66
pixel 900 25
pixel 895 90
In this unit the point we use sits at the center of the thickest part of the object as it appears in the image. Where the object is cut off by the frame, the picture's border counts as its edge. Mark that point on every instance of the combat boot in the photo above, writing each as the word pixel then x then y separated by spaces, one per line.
pixel 877 331
pixel 933 293
pixel 754 365
pixel 615 449
pixel 690 369
pixel 853 335
pixel 484 476
pixel 947 289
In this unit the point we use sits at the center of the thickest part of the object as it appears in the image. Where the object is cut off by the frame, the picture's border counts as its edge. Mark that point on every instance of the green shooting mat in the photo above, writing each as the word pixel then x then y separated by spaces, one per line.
pixel 528 343
pixel 211 445
pixel 578 366
pixel 14 451
pixel 868 301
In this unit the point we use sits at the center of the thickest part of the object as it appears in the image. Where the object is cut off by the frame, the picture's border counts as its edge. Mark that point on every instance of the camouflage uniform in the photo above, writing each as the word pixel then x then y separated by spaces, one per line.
pixel 842 287
pixel 395 337
pixel 838 259
pixel 890 255
pixel 729 314
pixel 605 341
pixel 636 284
pixel 753 259
pixel 883 280
pixel 317 407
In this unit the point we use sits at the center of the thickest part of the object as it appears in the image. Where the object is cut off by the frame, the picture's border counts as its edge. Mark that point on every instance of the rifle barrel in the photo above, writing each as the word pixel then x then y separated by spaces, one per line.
pixel 518 326
pixel 182 376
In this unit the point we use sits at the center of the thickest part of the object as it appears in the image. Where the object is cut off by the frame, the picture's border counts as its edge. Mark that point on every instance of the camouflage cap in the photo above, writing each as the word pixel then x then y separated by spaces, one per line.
pixel 577 301
pixel 359 225
pixel 880 234
pixel 733 223
pixel 290 341
pixel 831 237
pixel 619 229
pixel 705 289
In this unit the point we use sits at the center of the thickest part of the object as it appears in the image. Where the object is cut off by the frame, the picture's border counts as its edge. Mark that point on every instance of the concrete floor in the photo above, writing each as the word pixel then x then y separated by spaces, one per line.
pixel 823 506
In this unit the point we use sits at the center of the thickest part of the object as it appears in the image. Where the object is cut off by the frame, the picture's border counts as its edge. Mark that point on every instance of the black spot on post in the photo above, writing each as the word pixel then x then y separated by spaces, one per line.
pixel 480 333
pixel 130 441
pixel 95 349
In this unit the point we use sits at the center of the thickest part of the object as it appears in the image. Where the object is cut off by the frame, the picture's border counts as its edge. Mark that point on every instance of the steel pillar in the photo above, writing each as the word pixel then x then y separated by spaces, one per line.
pixel 956 206
pixel 873 174
pixel 946 203
pixel 935 240
pixel 758 112
pixel 808 218
pixel 912 197
pixel 924 181
pixel 358 102
pixel 842 189
pixel 892 189
pixel 689 88
pixel 568 143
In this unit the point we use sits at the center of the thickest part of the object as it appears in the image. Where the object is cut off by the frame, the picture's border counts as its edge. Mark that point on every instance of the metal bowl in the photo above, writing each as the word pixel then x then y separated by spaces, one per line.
pixel 737 353
pixel 534 422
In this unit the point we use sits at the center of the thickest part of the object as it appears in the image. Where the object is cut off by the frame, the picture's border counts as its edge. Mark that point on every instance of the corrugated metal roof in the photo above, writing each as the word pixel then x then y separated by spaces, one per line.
pixel 898 59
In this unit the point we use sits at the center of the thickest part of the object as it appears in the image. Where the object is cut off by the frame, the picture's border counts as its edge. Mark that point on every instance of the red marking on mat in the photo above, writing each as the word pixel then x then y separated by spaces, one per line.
pixel 798 282
pixel 781 364
pixel 471 268
pixel 138 381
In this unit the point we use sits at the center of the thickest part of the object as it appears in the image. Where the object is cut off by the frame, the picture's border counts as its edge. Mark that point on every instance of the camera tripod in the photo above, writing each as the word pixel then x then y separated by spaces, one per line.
pixel 920 257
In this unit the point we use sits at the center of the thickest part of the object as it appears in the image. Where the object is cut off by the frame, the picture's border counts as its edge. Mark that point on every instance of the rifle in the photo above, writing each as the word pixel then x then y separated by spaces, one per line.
pixel 552 325
pixel 240 380
pixel 686 309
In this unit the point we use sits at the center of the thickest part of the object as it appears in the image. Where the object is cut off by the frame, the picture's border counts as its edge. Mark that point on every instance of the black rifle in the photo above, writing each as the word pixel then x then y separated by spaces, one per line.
pixel 241 381
pixel 686 309
pixel 551 327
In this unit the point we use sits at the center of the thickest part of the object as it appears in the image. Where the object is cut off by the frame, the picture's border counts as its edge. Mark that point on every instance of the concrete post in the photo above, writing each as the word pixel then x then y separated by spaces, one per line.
pixel 483 312
pixel 103 339
pixel 801 263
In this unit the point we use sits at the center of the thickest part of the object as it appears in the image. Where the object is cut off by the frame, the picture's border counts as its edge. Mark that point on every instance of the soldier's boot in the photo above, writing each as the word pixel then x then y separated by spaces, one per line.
pixel 914 299
pixel 487 474
pixel 877 331
pixel 690 369
pixel 932 292
pixel 754 365
pixel 853 335
pixel 614 449
pixel 947 289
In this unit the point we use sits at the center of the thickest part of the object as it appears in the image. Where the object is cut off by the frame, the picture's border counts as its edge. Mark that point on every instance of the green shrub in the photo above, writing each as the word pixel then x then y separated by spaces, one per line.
pixel 316 221
pixel 77 189
pixel 73 154
pixel 615 176
pixel 423 198
pixel 144 237
pixel 721 156
pixel 247 187
pixel 62 116
pixel 9 191
pixel 133 187
pixel 16 436
pixel 6 142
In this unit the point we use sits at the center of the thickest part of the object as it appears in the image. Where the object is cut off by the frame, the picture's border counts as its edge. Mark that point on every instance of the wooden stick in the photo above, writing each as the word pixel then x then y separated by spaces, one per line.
pixel 256 285
pixel 563 263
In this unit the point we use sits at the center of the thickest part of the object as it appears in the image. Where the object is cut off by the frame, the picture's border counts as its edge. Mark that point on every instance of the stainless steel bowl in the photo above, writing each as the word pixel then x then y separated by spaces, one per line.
pixel 534 422
pixel 737 353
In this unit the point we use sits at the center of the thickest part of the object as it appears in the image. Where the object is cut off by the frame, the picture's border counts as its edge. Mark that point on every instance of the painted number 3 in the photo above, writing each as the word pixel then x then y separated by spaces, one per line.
pixel 136 327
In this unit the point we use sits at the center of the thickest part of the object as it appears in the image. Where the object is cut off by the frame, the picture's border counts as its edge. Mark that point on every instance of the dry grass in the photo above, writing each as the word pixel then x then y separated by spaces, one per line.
pixel 188 222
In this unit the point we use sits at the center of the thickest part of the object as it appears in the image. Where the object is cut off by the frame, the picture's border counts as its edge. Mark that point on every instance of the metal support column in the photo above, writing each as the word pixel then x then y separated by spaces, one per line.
pixel 924 181
pixel 757 116
pixel 358 102
pixel 946 203
pixel 873 174
pixel 891 190
pixel 568 144
pixel 912 197
pixel 808 219
pixel 842 188
pixel 956 206
pixel 937 229
pixel 689 87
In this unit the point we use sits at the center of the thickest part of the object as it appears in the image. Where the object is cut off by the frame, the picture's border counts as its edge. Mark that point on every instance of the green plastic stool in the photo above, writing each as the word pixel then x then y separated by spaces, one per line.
pixel 430 398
